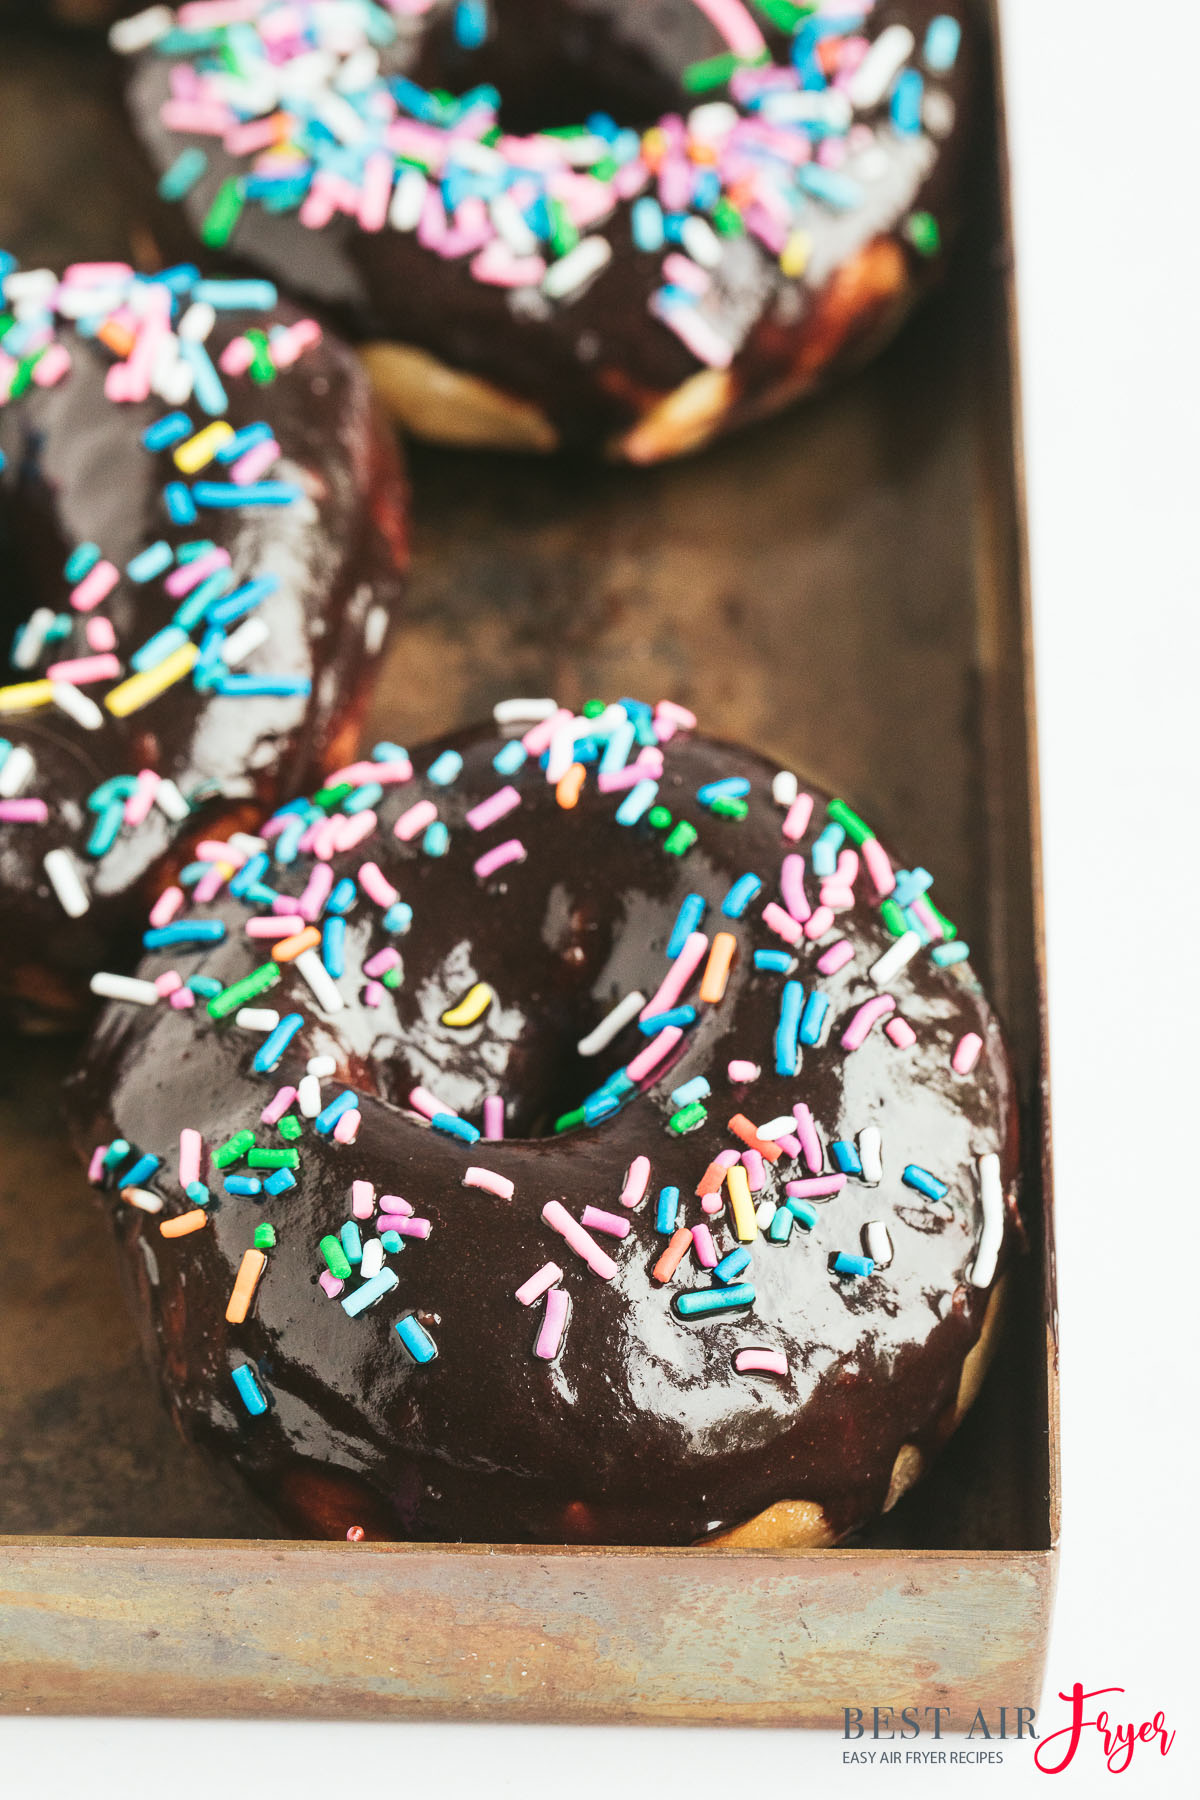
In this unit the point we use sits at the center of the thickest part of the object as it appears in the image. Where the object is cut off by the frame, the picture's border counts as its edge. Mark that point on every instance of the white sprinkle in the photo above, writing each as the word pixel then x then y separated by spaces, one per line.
pixel 700 241
pixel 523 712
pixel 372 1258
pixel 256 1018
pixel 937 113
pixel 509 221
pixel 764 1213
pixel 562 753
pixel 129 36
pixel 622 1014
pixel 375 627
pixel 879 1243
pixel 870 1155
pixel 65 880
pixel 77 705
pixel 776 1128
pixel 784 788
pixel 143 1199
pixel 324 988
pixel 714 119
pixel 197 322
pixel 880 66
pixel 240 643
pixel 894 958
pixel 570 272
pixel 991 1195
pixel 248 846
pixel 169 800
pixel 124 987
pixel 308 1096
pixel 32 641
pixel 15 772
pixel 321 1066
pixel 30 284
pixel 408 201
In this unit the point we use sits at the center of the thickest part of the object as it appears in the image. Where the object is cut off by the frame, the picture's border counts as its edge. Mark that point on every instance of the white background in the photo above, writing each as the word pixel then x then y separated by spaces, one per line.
pixel 1103 98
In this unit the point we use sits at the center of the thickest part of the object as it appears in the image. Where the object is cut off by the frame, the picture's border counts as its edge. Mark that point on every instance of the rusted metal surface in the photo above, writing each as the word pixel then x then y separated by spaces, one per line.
pixel 844 588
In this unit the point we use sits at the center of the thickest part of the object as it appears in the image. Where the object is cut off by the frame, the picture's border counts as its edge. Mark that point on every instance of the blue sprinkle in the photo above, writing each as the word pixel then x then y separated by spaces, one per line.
pixel 845 1157
pixel 270 1052
pixel 116 1153
pixel 637 801
pixel 177 181
pixel 436 840
pixel 778 961
pixel 106 830
pixel 197 1193
pixel 150 562
pixel 941 44
pixel 81 562
pixel 184 931
pixel 206 383
pixel 825 850
pixel 243 440
pixel 853 1265
pixel 287 844
pixel 946 954
pixel 656 1022
pixel 193 606
pixel 813 1022
pixel 802 1212
pixel 398 918
pixel 470 31
pixel 279 1181
pixel 646 222
pixel 907 95
pixel 509 757
pixel 370 1292
pixel 237 296
pixel 252 1396
pixel 688 920
pixel 245 1185
pixel 181 508
pixel 364 797
pixel 328 1117
pixel 788 1029
pixel 641 717
pixel 697 1088
pixel 351 1238
pixel 228 495
pixel 387 752
pixel 193 548
pixel 251 871
pixel 733 787
pixel 392 1242
pixel 731 1266
pixel 910 885
pixel 746 889
pixel 668 1211
pixel 780 1228
pixel 618 1083
pixel 343 897
pixel 333 946
pixel 207 987
pixel 600 1106
pixel 453 1127
pixel 412 1333
pixel 243 600
pixel 839 191
pixel 171 429
pixel 248 686
pixel 141 1171
pixel 445 768
pixel 617 749
pixel 916 1177
pixel 157 648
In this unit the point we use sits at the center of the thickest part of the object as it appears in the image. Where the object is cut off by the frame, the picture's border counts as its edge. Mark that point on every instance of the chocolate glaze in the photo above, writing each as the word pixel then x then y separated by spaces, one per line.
pixel 640 1431
pixel 599 364
pixel 76 471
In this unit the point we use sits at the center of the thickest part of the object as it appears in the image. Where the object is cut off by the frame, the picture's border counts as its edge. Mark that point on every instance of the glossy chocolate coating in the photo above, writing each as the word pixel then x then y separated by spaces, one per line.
pixel 600 363
pixel 641 1430
pixel 76 471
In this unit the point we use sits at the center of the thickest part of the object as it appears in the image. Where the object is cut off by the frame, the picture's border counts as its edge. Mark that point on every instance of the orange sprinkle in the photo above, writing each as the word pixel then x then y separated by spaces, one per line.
pixel 710 1181
pixel 116 337
pixel 569 786
pixel 672 1256
pixel 716 970
pixel 186 1223
pixel 248 1276
pixel 742 1128
pixel 287 949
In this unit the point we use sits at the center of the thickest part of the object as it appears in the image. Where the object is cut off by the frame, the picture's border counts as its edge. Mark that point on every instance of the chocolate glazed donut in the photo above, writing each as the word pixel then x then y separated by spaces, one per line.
pixel 125 564
pixel 705 1052
pixel 756 198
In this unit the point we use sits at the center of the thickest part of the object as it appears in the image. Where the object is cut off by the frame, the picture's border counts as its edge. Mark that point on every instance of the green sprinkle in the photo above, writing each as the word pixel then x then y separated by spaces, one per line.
pixel 393 977
pixel 727 806
pixel 592 709
pixel 921 230
pixel 569 1120
pixel 786 14
pixel 564 234
pixel 223 214
pixel 949 930
pixel 248 988
pixel 264 1236
pixel 727 219
pixel 335 1258
pixel 687 1118
pixel 262 369
pixel 659 817
pixel 290 1127
pixel 845 816
pixel 274 1159
pixel 893 917
pixel 331 797
pixel 604 168
pixel 233 1149
pixel 713 72
pixel 681 839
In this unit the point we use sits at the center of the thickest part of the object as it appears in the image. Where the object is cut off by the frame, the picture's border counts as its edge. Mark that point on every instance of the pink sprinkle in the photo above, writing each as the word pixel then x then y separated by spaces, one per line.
pixel 362 1199
pixel 100 633
pixel 351 829
pixel 237 356
pixel 712 1204
pixel 660 1045
pixel 274 1110
pixel 96 1166
pixel 168 983
pixel 636 1182
pixel 276 925
pixel 96 586
pixel 678 715
pixel 290 346
pixel 847 868
pixel 676 980
pixel 317 890
pixel 836 957
pixel 255 462
pixel 392 1203
pixel 870 1011
pixel 404 1225
pixel 31 811
pixel 190 1146
pixel 217 850
pixel 381 962
pixel 815 1187
pixel 611 1223
pixel 376 191
pixel 791 886
pixel 781 923
pixel 539 736
pixel 374 994
pixel 331 1284
pixel 387 774
pixel 682 272
pixel 210 884
pixel 346 1129
pixel 647 766
pixel 789 1144
pixel 490 1182
pixel 739 1070
pixel 493 1117
pixel 798 814
pixel 559 1219
pixel 879 868
pixel 927 917
pixel 79 670
pixel 810 1137
pixel 512 851
pixel 835 896
pixel 137 807
pixel 422 1101
pixel 51 366
pixel 497 265
pixel 704 1247
pixel 725 1159
pixel 819 924
pixel 188 575
pixel 415 820
pixel 554 1325
pixel 536 1286
pixel 966 1053
pixel 375 885
pixel 259 134
pixel 182 998
pixel 493 808
pixel 765 1362
pixel 756 1172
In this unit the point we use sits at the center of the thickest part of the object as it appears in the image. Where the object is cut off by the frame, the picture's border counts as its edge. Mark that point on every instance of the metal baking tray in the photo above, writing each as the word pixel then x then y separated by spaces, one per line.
pixel 846 589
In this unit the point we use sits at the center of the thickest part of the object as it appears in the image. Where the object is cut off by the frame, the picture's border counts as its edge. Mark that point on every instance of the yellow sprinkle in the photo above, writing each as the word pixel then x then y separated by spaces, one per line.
pixel 139 690
pixel 199 451
pixel 744 1222
pixel 25 695
pixel 793 259
pixel 472 1007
